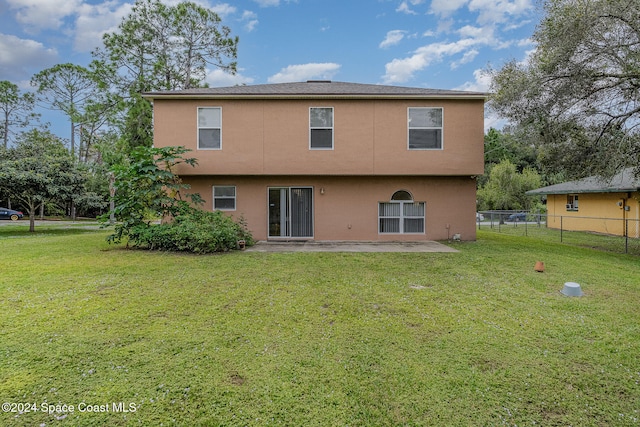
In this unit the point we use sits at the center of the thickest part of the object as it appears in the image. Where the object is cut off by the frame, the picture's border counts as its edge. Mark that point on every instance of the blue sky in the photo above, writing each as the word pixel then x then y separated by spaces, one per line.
pixel 443 44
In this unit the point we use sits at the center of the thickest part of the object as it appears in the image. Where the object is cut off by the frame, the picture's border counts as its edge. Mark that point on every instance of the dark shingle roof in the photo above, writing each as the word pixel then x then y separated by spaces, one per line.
pixel 622 182
pixel 315 88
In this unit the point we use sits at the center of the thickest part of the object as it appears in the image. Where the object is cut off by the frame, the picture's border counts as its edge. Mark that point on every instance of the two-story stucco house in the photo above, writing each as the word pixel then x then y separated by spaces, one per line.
pixel 331 161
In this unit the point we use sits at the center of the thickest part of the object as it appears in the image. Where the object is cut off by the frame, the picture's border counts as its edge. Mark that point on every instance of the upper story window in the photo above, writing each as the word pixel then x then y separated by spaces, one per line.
pixel 425 128
pixel 209 128
pixel 572 202
pixel 321 128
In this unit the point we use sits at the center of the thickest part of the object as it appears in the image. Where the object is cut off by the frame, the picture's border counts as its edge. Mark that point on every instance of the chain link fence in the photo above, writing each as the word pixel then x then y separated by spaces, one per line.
pixel 610 234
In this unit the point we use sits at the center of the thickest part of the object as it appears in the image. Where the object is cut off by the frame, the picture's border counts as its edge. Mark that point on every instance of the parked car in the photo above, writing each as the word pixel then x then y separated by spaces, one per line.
pixel 517 217
pixel 10 214
pixel 479 216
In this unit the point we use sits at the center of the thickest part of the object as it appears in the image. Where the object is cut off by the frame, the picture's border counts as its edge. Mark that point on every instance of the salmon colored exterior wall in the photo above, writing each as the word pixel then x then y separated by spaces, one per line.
pixel 271 137
pixel 348 209
pixel 265 143
pixel 597 212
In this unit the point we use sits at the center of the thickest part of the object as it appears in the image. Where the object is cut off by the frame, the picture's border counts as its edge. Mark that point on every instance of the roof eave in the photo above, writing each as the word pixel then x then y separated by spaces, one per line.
pixel 575 191
pixel 153 96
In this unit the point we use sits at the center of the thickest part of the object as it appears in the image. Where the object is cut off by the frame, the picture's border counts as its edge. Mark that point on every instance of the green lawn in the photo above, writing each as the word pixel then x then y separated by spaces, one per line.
pixel 316 339
pixel 604 242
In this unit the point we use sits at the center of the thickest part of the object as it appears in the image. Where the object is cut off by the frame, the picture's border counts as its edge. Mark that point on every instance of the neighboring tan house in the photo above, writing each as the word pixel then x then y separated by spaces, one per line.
pixel 595 204
pixel 331 161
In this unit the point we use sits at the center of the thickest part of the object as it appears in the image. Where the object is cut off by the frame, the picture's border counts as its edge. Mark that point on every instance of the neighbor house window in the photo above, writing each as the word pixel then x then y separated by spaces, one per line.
pixel 224 198
pixel 209 128
pixel 425 128
pixel 321 128
pixel 401 215
pixel 572 202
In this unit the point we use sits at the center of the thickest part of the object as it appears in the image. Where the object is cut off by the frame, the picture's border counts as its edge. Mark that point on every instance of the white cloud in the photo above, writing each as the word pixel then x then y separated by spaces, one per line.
pixel 482 35
pixel 303 72
pixel 475 32
pixel 496 11
pixel 402 70
pixel 223 10
pixel 445 25
pixel 463 51
pixel 267 3
pixel 525 42
pixel 404 8
pixel 94 21
pixel 466 58
pixel 20 57
pixel 481 83
pixel 250 20
pixel 270 3
pixel 219 78
pixel 446 7
pixel 393 38
pixel 37 15
pixel 516 25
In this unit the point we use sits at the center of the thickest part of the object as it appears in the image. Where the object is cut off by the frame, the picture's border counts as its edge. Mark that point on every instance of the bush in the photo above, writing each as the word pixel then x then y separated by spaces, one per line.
pixel 192 230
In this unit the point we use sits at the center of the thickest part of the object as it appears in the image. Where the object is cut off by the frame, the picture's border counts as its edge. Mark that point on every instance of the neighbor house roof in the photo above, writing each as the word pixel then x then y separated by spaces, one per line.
pixel 314 89
pixel 623 181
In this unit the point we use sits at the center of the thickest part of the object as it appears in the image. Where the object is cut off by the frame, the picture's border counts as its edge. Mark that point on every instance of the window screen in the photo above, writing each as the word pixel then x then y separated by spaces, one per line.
pixel 321 128
pixel 209 128
pixel 425 128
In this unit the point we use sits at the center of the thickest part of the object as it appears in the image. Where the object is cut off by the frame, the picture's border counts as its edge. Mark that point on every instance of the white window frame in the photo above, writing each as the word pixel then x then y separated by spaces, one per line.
pixel 402 216
pixel 441 128
pixel 332 128
pixel 234 197
pixel 208 127
pixel 572 202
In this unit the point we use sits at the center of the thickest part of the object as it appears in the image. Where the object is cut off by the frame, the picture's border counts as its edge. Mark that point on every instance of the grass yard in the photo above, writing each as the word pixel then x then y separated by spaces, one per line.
pixel 585 239
pixel 315 339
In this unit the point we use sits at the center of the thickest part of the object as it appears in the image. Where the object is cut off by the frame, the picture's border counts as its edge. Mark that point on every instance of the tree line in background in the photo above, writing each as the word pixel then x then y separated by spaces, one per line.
pixel 576 99
pixel 156 47
pixel 573 105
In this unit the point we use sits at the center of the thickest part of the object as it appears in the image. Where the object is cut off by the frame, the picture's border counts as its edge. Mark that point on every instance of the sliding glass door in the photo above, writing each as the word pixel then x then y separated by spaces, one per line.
pixel 291 212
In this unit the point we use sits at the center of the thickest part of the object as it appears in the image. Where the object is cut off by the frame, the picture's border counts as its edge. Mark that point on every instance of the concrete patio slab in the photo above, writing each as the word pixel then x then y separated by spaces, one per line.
pixel 348 246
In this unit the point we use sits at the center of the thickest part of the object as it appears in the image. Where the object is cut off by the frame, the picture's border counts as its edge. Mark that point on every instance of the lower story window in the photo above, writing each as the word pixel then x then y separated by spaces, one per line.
pixel 224 198
pixel 401 217
pixel 572 202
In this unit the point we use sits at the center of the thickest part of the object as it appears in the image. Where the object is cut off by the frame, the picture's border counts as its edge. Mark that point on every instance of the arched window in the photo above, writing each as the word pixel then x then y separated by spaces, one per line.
pixel 401 215
pixel 401 195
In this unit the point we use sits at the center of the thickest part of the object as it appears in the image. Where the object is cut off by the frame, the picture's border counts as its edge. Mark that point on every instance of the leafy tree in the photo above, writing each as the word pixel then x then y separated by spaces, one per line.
pixel 200 41
pixel 16 109
pixel 160 47
pixel 38 170
pixel 506 188
pixel 147 189
pixel 509 145
pixel 167 47
pixel 579 92
pixel 71 89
